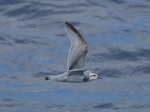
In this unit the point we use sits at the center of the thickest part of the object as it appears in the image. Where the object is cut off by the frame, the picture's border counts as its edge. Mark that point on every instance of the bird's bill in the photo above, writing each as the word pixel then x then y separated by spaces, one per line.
pixel 100 78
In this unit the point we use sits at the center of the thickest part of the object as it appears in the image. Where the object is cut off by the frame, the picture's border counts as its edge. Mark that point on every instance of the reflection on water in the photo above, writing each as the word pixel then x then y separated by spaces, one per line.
pixel 33 43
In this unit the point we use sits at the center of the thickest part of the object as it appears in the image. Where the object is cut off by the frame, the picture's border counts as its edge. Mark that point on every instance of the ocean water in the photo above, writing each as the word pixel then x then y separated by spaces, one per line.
pixel 34 43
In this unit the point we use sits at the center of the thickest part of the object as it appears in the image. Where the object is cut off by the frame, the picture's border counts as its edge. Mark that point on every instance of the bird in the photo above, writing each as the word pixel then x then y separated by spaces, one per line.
pixel 75 65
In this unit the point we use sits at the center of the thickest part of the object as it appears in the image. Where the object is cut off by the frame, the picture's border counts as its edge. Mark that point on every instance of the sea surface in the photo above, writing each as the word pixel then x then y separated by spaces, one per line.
pixel 34 43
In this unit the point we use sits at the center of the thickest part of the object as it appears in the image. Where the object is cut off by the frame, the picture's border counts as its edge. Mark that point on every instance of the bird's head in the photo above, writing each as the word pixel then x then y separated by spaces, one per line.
pixel 94 76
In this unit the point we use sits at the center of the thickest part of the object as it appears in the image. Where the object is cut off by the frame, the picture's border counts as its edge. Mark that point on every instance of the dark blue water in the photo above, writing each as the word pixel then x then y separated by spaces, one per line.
pixel 33 43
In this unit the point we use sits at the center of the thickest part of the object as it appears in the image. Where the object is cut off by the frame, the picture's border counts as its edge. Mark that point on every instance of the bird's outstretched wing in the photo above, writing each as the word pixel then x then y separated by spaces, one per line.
pixel 78 48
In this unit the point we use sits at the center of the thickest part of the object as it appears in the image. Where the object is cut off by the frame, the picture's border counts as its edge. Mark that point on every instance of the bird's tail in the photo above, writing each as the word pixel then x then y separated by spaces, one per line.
pixel 47 78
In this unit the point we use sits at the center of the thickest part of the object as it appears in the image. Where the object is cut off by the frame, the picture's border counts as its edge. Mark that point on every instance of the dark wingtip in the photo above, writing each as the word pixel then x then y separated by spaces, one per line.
pixel 67 23
pixel 72 28
pixel 46 78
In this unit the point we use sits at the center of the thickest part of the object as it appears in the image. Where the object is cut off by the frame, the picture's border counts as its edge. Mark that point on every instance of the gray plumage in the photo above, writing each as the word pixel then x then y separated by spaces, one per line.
pixel 77 52
pixel 78 48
